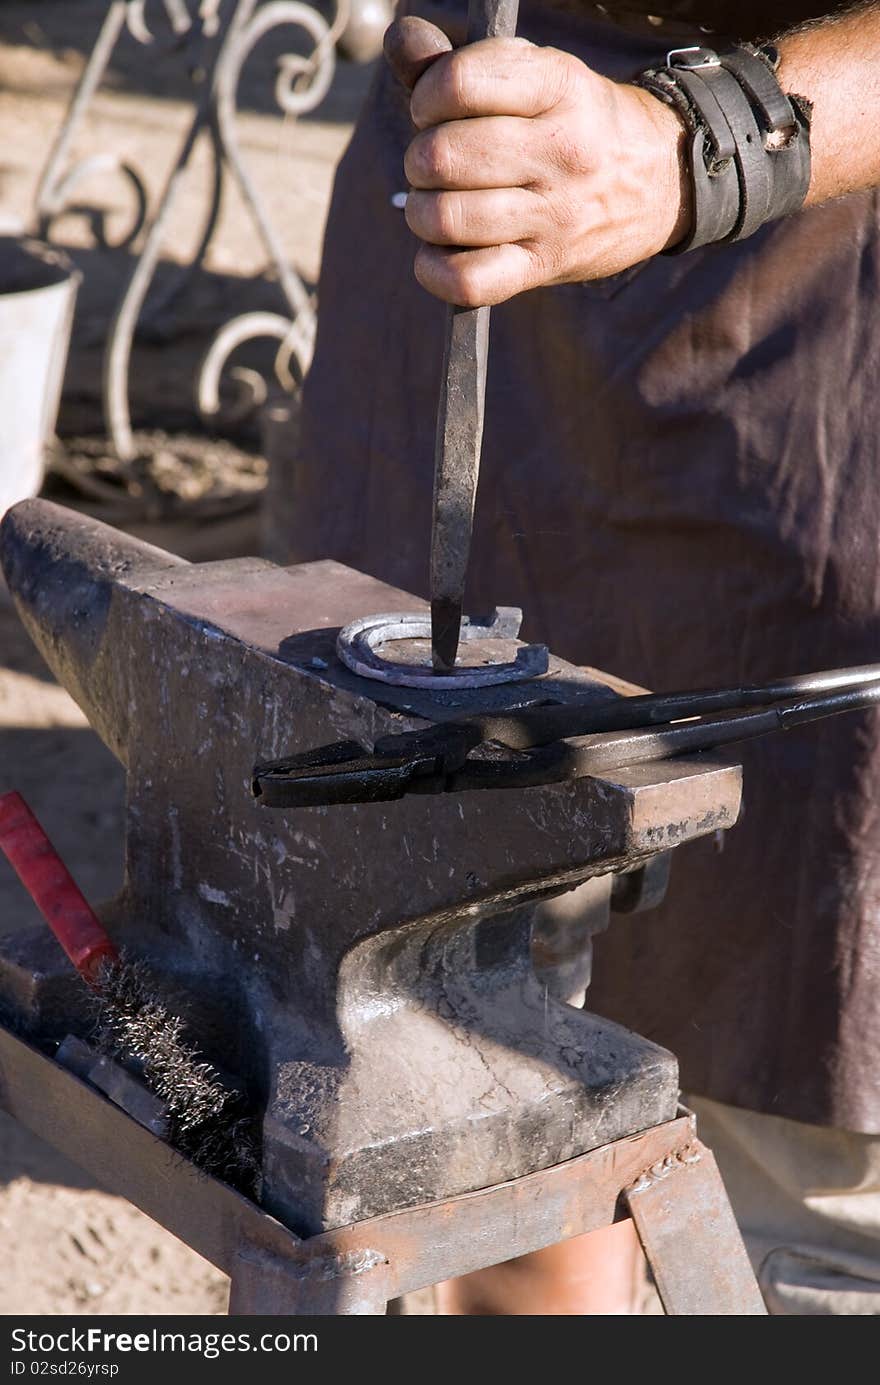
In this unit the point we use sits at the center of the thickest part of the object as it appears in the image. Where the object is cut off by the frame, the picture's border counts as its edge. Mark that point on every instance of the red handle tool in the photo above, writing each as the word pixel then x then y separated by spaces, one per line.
pixel 53 889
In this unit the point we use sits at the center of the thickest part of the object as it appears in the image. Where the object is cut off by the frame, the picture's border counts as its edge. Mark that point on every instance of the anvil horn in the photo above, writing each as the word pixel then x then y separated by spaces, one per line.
pixel 61 569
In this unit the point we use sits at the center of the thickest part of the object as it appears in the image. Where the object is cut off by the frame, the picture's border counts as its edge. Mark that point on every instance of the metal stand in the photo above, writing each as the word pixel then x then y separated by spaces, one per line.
pixel 220 40
pixel 664 1178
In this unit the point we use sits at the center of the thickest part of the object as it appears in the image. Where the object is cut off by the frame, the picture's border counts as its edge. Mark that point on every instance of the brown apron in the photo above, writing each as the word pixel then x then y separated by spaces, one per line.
pixel 679 485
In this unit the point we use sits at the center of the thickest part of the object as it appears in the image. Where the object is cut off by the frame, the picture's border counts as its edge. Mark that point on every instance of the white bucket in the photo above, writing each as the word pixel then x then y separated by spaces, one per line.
pixel 37 294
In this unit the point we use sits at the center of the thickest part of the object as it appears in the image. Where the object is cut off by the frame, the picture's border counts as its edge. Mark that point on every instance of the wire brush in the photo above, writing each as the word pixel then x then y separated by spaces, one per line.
pixel 208 1120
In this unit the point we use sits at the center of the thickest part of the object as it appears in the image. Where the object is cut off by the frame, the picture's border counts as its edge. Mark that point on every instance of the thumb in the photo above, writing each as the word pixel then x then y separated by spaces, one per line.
pixel 411 46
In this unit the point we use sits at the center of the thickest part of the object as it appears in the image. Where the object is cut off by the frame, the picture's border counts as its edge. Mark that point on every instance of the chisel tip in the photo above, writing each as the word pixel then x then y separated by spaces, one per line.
pixel 445 632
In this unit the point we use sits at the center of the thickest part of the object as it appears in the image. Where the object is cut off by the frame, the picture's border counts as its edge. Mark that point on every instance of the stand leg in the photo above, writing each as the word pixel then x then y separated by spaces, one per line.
pixel 687 1229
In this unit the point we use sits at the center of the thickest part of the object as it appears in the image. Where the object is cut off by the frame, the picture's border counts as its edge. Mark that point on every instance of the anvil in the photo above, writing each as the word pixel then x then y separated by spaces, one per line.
pixel 367 970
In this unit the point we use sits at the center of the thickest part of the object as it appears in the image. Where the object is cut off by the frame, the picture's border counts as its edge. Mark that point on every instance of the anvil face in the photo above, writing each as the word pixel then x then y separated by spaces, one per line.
pixel 366 968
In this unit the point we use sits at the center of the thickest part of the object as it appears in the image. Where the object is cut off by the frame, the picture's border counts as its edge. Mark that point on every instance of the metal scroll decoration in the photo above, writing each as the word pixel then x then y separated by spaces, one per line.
pixel 218 40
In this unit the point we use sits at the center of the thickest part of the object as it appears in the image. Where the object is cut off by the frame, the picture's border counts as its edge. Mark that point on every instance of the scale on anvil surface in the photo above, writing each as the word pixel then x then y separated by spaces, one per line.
pixel 431 1096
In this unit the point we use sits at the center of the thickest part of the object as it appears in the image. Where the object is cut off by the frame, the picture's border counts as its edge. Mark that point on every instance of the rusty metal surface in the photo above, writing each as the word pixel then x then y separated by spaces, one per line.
pixel 366 970
pixel 693 1245
pixel 267 1262
pixel 327 1285
pixel 427 1244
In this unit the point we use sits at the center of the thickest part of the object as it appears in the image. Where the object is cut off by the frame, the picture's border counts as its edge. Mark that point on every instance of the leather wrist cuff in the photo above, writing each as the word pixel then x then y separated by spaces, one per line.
pixel 748 145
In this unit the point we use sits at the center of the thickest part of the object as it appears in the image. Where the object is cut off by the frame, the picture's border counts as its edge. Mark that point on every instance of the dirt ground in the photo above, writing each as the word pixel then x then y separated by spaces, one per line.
pixel 70 1247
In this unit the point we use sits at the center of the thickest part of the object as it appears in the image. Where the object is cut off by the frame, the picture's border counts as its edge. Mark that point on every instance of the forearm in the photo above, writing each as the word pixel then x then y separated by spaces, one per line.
pixel 531 169
pixel 835 64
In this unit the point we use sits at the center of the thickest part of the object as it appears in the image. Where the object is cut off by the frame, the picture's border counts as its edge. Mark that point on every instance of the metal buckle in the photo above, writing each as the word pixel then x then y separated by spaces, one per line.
pixel 707 57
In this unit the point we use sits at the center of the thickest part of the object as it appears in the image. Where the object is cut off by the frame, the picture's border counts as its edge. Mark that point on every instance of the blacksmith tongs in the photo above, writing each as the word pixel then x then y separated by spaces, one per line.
pixel 549 744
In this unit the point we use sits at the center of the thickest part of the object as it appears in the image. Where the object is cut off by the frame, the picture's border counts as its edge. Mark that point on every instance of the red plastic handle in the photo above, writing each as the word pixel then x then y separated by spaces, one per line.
pixel 52 888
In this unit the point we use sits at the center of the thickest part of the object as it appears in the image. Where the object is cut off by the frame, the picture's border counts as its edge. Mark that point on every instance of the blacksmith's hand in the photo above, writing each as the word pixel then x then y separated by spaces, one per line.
pixel 529 168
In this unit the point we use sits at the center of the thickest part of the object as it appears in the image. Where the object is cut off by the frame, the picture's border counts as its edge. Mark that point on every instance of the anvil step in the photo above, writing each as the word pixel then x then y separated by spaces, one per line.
pixel 367 968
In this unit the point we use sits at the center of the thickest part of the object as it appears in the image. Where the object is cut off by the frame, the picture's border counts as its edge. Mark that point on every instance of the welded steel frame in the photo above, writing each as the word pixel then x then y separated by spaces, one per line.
pixel 663 1177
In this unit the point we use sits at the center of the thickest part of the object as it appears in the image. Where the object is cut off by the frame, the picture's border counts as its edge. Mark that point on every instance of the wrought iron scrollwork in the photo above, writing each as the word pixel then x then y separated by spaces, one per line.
pixel 218 41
